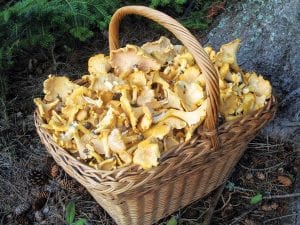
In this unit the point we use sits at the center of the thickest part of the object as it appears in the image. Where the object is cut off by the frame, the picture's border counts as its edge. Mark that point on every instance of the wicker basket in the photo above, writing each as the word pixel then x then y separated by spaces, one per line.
pixel 187 172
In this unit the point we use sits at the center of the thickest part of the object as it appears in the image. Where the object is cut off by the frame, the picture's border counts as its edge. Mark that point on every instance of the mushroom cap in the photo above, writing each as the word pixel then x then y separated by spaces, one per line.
pixel 124 60
pixel 99 64
pixel 45 108
pixel 227 54
pixel 58 87
pixel 190 118
pixel 191 94
pixel 115 142
pixel 104 82
pixel 162 50
pixel 147 153
pixel 260 86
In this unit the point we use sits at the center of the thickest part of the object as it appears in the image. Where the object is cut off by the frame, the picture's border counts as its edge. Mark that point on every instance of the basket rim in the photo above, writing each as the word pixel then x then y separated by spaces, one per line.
pixel 166 155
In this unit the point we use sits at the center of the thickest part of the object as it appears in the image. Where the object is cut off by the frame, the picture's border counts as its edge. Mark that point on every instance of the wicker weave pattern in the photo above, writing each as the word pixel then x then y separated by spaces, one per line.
pixel 186 173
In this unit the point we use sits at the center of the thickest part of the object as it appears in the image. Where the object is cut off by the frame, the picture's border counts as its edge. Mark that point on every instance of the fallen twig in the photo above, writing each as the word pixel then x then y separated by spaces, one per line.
pixel 225 203
pixel 293 195
pixel 237 219
pixel 280 217
pixel 263 169
pixel 212 207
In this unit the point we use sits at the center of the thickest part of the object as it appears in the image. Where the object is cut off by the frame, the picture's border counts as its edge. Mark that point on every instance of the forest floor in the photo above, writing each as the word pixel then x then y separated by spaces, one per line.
pixel 268 167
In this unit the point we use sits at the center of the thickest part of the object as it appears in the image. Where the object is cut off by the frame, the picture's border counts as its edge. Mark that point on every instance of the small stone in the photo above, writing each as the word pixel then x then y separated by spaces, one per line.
pixel 22 208
pixel 46 210
pixel 19 114
pixel 39 216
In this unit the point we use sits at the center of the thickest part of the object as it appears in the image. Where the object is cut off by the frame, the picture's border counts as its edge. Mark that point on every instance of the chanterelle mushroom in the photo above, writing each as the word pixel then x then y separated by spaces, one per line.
pixel 124 60
pixel 259 86
pixel 162 50
pixel 147 154
pixel 115 142
pixel 99 64
pixel 227 54
pixel 190 118
pixel 58 87
pixel 104 82
pixel 191 94
pixel 45 108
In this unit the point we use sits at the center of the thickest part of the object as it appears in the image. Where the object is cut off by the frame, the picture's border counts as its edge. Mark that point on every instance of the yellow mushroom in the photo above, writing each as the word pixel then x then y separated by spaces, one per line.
pixel 259 86
pixel 147 154
pixel 104 82
pixel 184 60
pixel 227 54
pixel 190 94
pixel 77 97
pixel 173 100
pixel 190 75
pixel 103 145
pixel 260 101
pixel 157 131
pixel 107 122
pixel 70 111
pixel 115 142
pixel 108 164
pixel 235 78
pixel 124 60
pixel 224 70
pixel 132 113
pixel 146 120
pixel 58 87
pixel 125 157
pixel 137 78
pixel 162 50
pixel 159 80
pixel 96 102
pixel 45 108
pixel 248 104
pixel 146 96
pixel 230 105
pixel 99 64
pixel 190 118
pixel 174 122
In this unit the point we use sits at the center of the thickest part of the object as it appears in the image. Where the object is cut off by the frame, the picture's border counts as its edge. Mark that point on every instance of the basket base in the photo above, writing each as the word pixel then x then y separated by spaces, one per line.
pixel 153 205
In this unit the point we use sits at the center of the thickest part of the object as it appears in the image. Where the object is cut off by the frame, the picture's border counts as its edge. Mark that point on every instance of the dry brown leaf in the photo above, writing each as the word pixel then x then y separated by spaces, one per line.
pixel 285 181
pixel 260 175
pixel 269 207
pixel 249 222
pixel 249 176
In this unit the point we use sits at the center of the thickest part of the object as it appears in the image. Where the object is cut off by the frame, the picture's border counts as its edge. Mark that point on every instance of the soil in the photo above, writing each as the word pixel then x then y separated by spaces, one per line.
pixel 268 167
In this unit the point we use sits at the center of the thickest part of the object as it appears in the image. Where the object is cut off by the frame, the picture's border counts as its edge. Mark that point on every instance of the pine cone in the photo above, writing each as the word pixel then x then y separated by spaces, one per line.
pixel 54 170
pixel 67 184
pixel 22 208
pixel 23 220
pixel 40 200
pixel 42 194
pixel 37 177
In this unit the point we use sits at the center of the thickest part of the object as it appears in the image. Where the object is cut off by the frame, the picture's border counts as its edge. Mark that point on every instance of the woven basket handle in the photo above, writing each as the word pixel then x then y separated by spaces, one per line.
pixel 193 46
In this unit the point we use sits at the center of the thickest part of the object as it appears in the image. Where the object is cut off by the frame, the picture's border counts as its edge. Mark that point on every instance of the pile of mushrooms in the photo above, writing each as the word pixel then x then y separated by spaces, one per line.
pixel 143 101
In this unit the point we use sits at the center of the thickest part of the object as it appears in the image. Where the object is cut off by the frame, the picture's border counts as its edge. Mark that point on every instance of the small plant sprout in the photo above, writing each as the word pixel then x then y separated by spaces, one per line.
pixel 70 215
